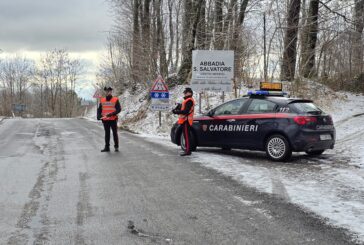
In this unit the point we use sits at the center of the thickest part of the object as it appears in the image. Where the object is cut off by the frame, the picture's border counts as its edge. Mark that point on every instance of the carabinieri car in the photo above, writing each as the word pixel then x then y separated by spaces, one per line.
pixel 263 121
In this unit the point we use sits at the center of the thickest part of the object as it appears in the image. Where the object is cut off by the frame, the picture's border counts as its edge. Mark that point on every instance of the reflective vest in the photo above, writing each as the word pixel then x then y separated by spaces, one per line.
pixel 189 117
pixel 108 107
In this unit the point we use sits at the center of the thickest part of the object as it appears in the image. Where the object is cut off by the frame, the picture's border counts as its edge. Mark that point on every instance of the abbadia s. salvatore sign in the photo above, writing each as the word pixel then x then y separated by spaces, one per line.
pixel 212 70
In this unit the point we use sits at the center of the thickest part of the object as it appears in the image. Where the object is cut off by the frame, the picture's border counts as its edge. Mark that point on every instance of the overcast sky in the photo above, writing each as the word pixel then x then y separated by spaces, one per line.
pixel 29 27
pixel 40 25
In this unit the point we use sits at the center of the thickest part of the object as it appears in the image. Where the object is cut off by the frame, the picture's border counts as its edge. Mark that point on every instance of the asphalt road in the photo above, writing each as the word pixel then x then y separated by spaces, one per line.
pixel 56 187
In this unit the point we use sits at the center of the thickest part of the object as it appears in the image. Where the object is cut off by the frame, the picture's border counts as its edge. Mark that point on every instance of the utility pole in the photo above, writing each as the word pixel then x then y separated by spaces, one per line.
pixel 265 48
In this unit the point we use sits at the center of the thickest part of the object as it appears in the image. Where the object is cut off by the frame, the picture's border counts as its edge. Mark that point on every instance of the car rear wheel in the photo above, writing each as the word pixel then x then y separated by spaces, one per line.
pixel 278 148
pixel 314 153
pixel 193 145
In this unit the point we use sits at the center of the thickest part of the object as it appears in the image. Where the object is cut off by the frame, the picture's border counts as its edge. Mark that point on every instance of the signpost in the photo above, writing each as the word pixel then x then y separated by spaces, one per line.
pixel 19 108
pixel 97 94
pixel 212 70
pixel 160 97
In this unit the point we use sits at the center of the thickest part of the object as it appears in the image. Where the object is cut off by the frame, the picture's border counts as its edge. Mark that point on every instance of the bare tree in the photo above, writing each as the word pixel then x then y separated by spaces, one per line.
pixel 309 40
pixel 357 37
pixel 16 75
pixel 185 68
pixel 288 67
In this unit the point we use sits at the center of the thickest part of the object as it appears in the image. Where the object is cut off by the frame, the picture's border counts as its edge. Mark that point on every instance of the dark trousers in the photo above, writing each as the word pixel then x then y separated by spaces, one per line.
pixel 186 129
pixel 112 124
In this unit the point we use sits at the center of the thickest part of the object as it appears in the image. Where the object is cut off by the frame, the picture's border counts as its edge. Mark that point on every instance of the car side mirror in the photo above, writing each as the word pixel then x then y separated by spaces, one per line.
pixel 211 113
pixel 227 112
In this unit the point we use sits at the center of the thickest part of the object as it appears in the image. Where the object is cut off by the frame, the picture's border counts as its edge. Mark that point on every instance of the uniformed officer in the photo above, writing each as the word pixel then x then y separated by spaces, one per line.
pixel 185 118
pixel 107 111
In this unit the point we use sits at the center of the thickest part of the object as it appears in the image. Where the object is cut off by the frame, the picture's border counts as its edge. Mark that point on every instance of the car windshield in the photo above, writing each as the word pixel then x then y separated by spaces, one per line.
pixel 306 107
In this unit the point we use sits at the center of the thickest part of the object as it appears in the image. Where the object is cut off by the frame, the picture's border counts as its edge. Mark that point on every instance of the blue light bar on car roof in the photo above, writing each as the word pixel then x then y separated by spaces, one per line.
pixel 264 92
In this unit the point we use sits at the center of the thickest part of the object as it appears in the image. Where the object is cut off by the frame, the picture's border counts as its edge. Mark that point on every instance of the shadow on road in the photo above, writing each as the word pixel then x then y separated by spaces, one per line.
pixel 297 159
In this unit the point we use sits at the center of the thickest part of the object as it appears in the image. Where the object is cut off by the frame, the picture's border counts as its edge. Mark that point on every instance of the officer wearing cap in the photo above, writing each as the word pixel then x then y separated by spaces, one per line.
pixel 107 111
pixel 185 118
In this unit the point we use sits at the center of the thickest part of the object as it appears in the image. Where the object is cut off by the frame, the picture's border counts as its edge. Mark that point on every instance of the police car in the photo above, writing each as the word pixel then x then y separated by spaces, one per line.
pixel 263 121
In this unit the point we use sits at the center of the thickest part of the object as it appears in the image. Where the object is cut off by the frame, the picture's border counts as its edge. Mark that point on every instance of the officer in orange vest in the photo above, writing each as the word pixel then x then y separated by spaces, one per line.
pixel 107 111
pixel 185 118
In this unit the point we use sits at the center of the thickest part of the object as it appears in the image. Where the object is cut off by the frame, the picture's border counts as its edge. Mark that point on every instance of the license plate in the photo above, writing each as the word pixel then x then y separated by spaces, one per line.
pixel 325 137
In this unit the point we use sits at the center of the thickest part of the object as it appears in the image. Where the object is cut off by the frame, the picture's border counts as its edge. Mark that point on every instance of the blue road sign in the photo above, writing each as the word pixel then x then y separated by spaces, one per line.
pixel 159 95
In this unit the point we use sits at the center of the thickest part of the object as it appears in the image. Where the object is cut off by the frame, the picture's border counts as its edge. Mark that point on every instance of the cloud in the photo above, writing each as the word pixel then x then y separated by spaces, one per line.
pixel 32 27
pixel 41 25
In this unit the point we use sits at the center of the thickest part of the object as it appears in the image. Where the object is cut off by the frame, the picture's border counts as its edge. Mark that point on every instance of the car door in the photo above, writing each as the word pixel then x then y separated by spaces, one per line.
pixel 257 119
pixel 217 129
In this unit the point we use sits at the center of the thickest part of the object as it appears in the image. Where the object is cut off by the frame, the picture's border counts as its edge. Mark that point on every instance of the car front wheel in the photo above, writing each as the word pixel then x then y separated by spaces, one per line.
pixel 193 145
pixel 278 148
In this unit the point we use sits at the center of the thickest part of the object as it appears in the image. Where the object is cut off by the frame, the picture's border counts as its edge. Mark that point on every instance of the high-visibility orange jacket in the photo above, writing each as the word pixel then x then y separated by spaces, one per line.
pixel 108 107
pixel 189 115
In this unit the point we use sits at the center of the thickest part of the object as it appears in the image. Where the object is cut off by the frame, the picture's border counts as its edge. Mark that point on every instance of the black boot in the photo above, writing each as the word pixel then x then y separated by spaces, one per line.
pixel 116 149
pixel 182 154
pixel 106 149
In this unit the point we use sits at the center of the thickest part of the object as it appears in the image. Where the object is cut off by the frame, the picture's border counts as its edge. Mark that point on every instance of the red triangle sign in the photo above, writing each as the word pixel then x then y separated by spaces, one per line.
pixel 159 85
pixel 97 94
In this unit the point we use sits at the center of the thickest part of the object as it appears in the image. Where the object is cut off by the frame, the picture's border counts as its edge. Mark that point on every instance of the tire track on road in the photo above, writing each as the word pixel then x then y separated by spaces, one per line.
pixel 84 208
pixel 33 223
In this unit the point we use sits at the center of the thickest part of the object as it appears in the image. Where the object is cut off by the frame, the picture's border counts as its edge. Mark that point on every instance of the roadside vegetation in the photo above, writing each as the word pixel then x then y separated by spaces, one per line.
pixel 46 88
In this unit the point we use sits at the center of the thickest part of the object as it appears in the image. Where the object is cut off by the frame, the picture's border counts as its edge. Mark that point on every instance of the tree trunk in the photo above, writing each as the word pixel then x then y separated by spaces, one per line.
pixel 357 37
pixel 187 20
pixel 236 42
pixel 310 30
pixel 219 35
pixel 178 10
pixel 145 22
pixel 288 67
pixel 163 67
pixel 201 28
pixel 185 68
pixel 136 41
pixel 171 34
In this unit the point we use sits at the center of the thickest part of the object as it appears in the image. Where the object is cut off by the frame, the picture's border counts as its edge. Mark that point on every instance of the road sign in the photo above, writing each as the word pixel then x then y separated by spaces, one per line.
pixel 159 95
pixel 212 70
pixel 19 107
pixel 97 94
pixel 159 85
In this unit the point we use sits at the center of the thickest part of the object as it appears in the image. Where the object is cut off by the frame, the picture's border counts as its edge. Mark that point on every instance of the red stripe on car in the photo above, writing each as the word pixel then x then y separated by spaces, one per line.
pixel 246 116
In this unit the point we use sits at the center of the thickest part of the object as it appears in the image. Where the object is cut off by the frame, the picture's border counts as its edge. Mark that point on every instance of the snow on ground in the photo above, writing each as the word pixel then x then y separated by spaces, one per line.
pixel 91 114
pixel 348 115
pixel 330 186
pixel 332 190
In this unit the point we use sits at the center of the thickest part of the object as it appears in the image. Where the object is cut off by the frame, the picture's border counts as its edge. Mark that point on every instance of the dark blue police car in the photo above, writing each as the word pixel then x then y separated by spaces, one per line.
pixel 263 121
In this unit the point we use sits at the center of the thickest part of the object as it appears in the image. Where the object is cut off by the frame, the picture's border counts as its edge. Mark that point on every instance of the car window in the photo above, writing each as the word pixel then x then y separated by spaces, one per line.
pixel 306 107
pixel 261 106
pixel 230 108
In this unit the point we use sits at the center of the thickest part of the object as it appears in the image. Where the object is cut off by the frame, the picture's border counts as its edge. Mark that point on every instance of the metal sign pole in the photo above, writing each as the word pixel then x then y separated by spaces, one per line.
pixel 160 118
pixel 199 102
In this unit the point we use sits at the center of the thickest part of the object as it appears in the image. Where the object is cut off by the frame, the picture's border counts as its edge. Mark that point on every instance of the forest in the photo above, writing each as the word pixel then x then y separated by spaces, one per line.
pixel 292 40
